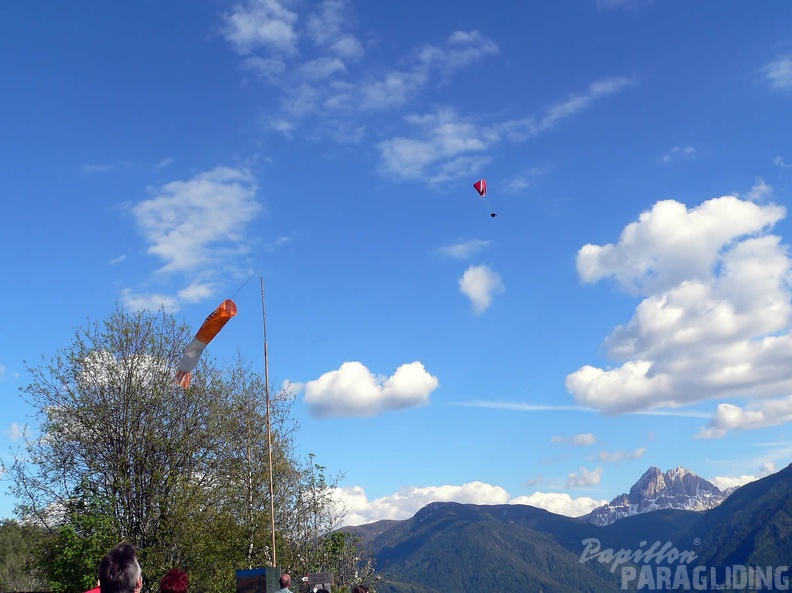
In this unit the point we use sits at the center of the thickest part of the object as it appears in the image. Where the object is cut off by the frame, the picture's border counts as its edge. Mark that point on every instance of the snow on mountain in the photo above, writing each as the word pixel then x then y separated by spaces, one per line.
pixel 678 488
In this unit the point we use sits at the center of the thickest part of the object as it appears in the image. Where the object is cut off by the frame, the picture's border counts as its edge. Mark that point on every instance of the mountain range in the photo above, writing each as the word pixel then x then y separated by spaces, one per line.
pixel 677 488
pixel 452 547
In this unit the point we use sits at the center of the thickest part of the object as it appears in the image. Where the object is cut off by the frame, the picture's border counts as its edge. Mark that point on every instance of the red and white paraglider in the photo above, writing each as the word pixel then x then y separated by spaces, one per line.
pixel 481 188
pixel 210 328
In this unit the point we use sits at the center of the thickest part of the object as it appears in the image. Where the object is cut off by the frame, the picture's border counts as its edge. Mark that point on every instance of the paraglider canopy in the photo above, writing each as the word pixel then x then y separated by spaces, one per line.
pixel 481 188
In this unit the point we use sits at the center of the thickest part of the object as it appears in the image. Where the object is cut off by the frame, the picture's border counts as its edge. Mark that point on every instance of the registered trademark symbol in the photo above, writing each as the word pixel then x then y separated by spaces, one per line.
pixel 696 541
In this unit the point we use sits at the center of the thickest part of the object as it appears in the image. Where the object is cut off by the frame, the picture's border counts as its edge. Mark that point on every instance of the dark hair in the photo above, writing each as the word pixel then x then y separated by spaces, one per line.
pixel 119 570
pixel 285 581
pixel 174 581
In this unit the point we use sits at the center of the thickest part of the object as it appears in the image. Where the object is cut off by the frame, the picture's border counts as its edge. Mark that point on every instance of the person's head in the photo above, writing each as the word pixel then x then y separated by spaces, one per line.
pixel 119 571
pixel 285 581
pixel 174 581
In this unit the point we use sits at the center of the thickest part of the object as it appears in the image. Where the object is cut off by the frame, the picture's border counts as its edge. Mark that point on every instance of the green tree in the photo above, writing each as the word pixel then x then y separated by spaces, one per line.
pixel 19 569
pixel 72 553
pixel 123 454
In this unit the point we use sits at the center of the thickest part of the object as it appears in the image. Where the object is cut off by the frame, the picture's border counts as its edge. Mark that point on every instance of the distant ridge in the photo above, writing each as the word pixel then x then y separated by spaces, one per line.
pixel 678 489
pixel 449 547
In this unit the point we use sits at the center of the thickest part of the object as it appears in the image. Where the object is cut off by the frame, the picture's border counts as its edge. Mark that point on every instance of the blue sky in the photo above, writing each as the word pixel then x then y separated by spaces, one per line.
pixel 629 305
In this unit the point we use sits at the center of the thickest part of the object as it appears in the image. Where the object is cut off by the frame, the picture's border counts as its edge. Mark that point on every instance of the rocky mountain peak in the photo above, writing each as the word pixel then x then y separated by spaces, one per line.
pixel 677 488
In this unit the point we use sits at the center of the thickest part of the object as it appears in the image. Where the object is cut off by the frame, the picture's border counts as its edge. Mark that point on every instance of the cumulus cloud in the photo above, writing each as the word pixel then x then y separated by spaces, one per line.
pixel 560 503
pixel 353 390
pixel 480 284
pixel 192 223
pixel 465 249
pixel 760 191
pixel 405 503
pixel 584 478
pixel 779 73
pixel 771 412
pixel 138 300
pixel 715 318
pixel 579 440
pixel 726 482
pixel 618 456
pixel 409 500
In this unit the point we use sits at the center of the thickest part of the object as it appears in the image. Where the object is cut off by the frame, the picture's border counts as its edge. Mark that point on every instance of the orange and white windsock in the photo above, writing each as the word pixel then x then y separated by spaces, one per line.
pixel 210 328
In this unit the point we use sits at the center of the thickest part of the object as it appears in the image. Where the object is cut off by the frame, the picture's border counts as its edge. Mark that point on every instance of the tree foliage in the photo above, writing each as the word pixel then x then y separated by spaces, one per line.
pixel 19 569
pixel 123 454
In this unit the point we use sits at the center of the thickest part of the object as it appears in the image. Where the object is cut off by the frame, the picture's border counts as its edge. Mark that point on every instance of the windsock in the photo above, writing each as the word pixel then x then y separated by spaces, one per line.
pixel 210 328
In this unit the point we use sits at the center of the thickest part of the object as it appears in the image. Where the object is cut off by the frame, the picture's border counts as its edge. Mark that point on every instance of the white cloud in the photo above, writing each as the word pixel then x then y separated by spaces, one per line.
pixel 261 23
pixel 311 66
pixel 715 320
pixel 579 440
pixel 576 103
pixel 779 73
pixel 770 412
pixel 405 503
pixel 670 244
pixel 448 146
pixel 2 372
pixel 192 224
pixel 15 432
pixel 584 439
pixel 760 191
pixel 584 478
pixel 146 301
pixel 196 292
pixel 480 284
pixel 560 503
pixel 726 482
pixel 680 152
pixel 465 249
pixel 322 68
pixel 409 500
pixel 353 390
pixel 398 87
pixel 618 456
pixel 780 163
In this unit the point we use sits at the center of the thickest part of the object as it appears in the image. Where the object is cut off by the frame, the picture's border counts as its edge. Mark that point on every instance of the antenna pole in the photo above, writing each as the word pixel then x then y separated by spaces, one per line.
pixel 269 429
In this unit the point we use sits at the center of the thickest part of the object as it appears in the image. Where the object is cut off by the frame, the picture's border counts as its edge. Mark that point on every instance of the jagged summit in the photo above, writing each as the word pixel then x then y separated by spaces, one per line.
pixel 678 488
